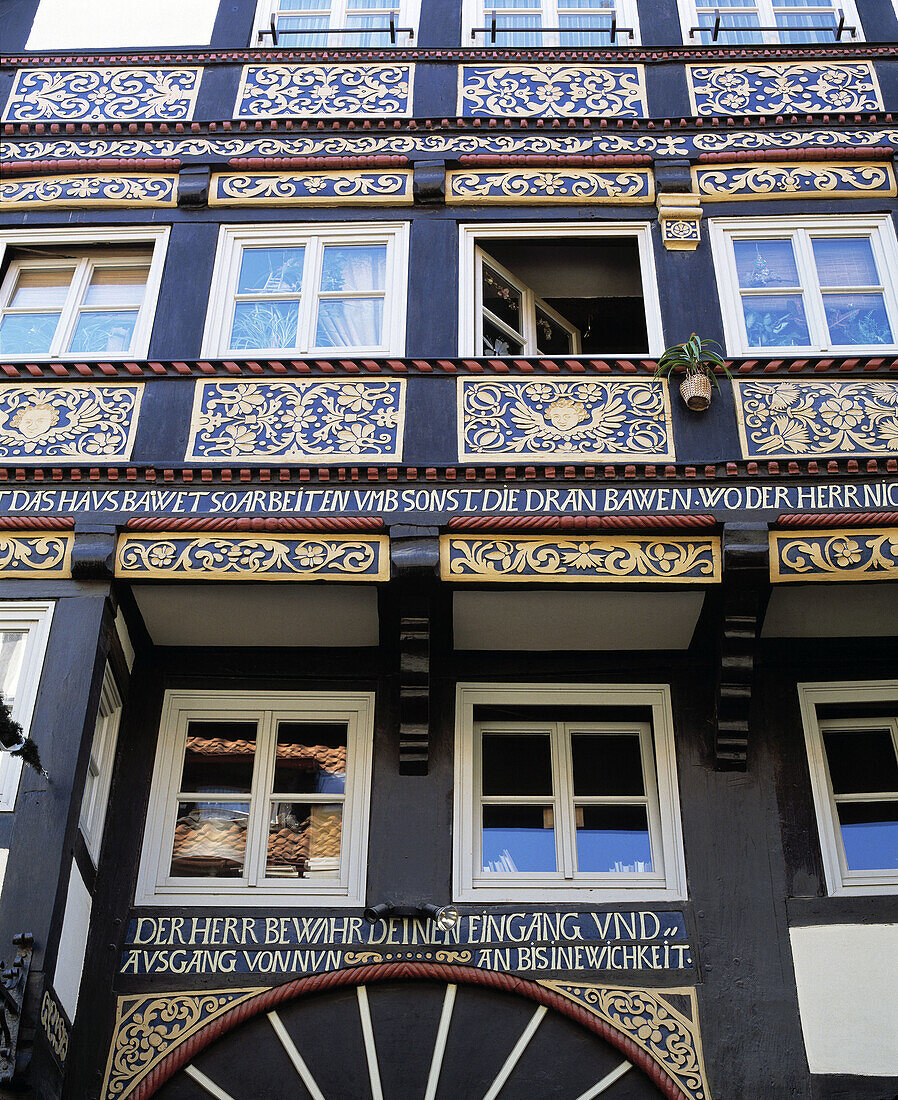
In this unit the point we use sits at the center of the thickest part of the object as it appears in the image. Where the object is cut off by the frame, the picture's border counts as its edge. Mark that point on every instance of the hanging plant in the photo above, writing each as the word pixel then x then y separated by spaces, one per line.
pixel 698 360
pixel 13 740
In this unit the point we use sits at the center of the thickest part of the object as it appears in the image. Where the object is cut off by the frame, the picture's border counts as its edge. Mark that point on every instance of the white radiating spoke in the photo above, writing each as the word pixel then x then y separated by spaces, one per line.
pixel 516 1051
pixel 439 1047
pixel 607 1081
pixel 370 1049
pixel 295 1057
pixel 203 1081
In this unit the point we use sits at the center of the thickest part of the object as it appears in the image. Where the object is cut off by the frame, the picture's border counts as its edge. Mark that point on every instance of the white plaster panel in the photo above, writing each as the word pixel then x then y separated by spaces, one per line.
pixel 87 24
pixel 4 852
pixel 847 978
pixel 72 943
pixel 848 611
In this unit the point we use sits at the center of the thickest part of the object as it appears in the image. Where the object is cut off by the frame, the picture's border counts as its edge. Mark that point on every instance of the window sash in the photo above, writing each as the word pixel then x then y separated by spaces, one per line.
pixel 517 17
pixel 348 15
pixel 99 775
pixel 770 14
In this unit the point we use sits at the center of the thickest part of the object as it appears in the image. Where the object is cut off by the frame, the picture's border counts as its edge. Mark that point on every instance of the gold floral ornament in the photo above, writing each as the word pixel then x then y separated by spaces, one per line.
pixel 858 554
pixel 569 185
pixel 552 91
pixel 780 87
pixel 812 181
pixel 74 420
pixel 330 91
pixel 616 559
pixel 309 188
pixel 41 192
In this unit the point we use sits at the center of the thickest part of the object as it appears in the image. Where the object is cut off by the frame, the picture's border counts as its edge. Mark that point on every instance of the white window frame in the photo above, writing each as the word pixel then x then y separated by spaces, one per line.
pixel 406 13
pixel 475 13
pixel 99 768
pixel 34 618
pixel 155 885
pixel 767 18
pixel 877 227
pixel 839 880
pixel 233 239
pixel 474 235
pixel 666 883
pixel 83 239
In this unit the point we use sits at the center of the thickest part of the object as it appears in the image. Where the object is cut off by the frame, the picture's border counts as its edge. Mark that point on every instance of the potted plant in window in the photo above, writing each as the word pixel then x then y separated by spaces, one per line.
pixel 698 360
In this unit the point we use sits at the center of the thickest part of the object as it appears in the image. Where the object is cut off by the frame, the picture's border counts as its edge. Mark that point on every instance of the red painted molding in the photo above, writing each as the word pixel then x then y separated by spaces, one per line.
pixel 36 523
pixel 267 524
pixel 116 164
pixel 838 519
pixel 832 152
pixel 532 160
pixel 267 164
pixel 498 524
pixel 403 971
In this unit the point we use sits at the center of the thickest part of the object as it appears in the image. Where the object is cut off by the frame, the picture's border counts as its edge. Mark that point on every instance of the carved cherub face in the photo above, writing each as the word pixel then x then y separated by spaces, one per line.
pixel 35 420
pixel 565 414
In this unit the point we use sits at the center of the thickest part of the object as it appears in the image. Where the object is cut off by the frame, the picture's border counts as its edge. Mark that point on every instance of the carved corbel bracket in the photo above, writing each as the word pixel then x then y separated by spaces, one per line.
pixel 745 575
pixel 13 982
pixel 93 553
pixel 679 210
pixel 429 182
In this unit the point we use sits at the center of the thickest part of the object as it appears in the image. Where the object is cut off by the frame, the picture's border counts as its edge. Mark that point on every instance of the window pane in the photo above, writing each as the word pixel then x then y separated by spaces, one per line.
pixel 820 26
pixel 12 650
pixel 502 299
pixel 861 761
pixel 41 289
pixel 857 319
pixel 96 333
pixel 116 286
pixel 353 268
pixel 870 835
pixel 265 325
pixel 219 757
pixel 26 333
pixel 351 323
pixel 359 23
pixel 311 759
pixel 271 271
pixel 518 838
pixel 210 840
pixel 613 838
pixel 765 263
pixel 290 28
pixel 775 321
pixel 551 338
pixel 304 840
pixel 516 764
pixel 496 342
pixel 607 764
pixel 846 261
pixel 303 5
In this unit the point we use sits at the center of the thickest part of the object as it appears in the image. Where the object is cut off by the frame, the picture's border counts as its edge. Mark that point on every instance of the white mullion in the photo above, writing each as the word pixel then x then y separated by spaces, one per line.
pixel 653 814
pixel 871 796
pixel 308 311
pixel 172 799
pixel 812 296
pixel 259 804
pixel 65 327
pixel 500 324
pixel 563 788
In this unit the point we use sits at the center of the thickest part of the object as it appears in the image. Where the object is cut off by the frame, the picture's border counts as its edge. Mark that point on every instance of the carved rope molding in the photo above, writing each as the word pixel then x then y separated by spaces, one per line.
pixel 611 559
pixel 44 555
pixel 849 554
pixel 324 91
pixel 101 189
pixel 783 88
pixel 552 91
pixel 178 556
pixel 358 188
pixel 725 183
pixel 120 94
pixel 540 185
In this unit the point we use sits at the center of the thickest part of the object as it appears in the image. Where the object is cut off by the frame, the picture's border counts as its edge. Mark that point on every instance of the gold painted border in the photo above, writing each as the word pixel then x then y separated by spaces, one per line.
pixel 783 538
pixel 578 455
pixel 547 199
pixel 88 200
pixel 404 198
pixel 889 191
pixel 407 113
pixel 236 576
pixel 62 571
pixel 711 542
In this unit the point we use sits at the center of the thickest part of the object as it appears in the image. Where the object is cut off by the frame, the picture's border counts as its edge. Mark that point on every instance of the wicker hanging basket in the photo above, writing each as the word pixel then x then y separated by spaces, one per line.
pixel 695 389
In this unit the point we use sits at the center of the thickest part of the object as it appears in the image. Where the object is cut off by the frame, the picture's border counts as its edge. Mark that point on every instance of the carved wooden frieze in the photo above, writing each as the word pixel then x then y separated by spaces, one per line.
pixel 120 94
pixel 542 185
pixel 324 91
pixel 307 420
pixel 852 554
pixel 45 192
pixel 607 559
pixel 37 554
pixel 72 421
pixel 724 183
pixel 783 87
pixel 356 187
pixel 552 91
pixel 614 420
pixel 782 419
pixel 179 556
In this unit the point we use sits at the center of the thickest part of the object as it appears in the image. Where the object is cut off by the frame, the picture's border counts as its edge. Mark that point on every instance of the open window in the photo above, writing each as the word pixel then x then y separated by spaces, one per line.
pixel 558 291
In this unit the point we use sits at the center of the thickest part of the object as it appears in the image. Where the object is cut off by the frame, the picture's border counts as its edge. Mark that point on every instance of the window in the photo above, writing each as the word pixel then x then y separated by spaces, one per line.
pixel 24 629
pixel 338 288
pixel 363 23
pixel 552 22
pixel 814 285
pixel 79 293
pixel 99 769
pixel 550 289
pixel 756 22
pixel 565 787
pixel 851 731
pixel 80 25
pixel 259 798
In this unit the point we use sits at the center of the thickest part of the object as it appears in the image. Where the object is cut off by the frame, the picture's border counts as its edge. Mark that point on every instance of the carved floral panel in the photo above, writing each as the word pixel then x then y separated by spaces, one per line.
pixel 722 183
pixel 42 554
pixel 552 91
pixel 624 559
pixel 854 554
pixel 539 185
pixel 73 421
pixel 357 187
pixel 614 420
pixel 324 91
pixel 817 419
pixel 178 556
pixel 122 94
pixel 306 420
pixel 781 87
pixel 41 192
